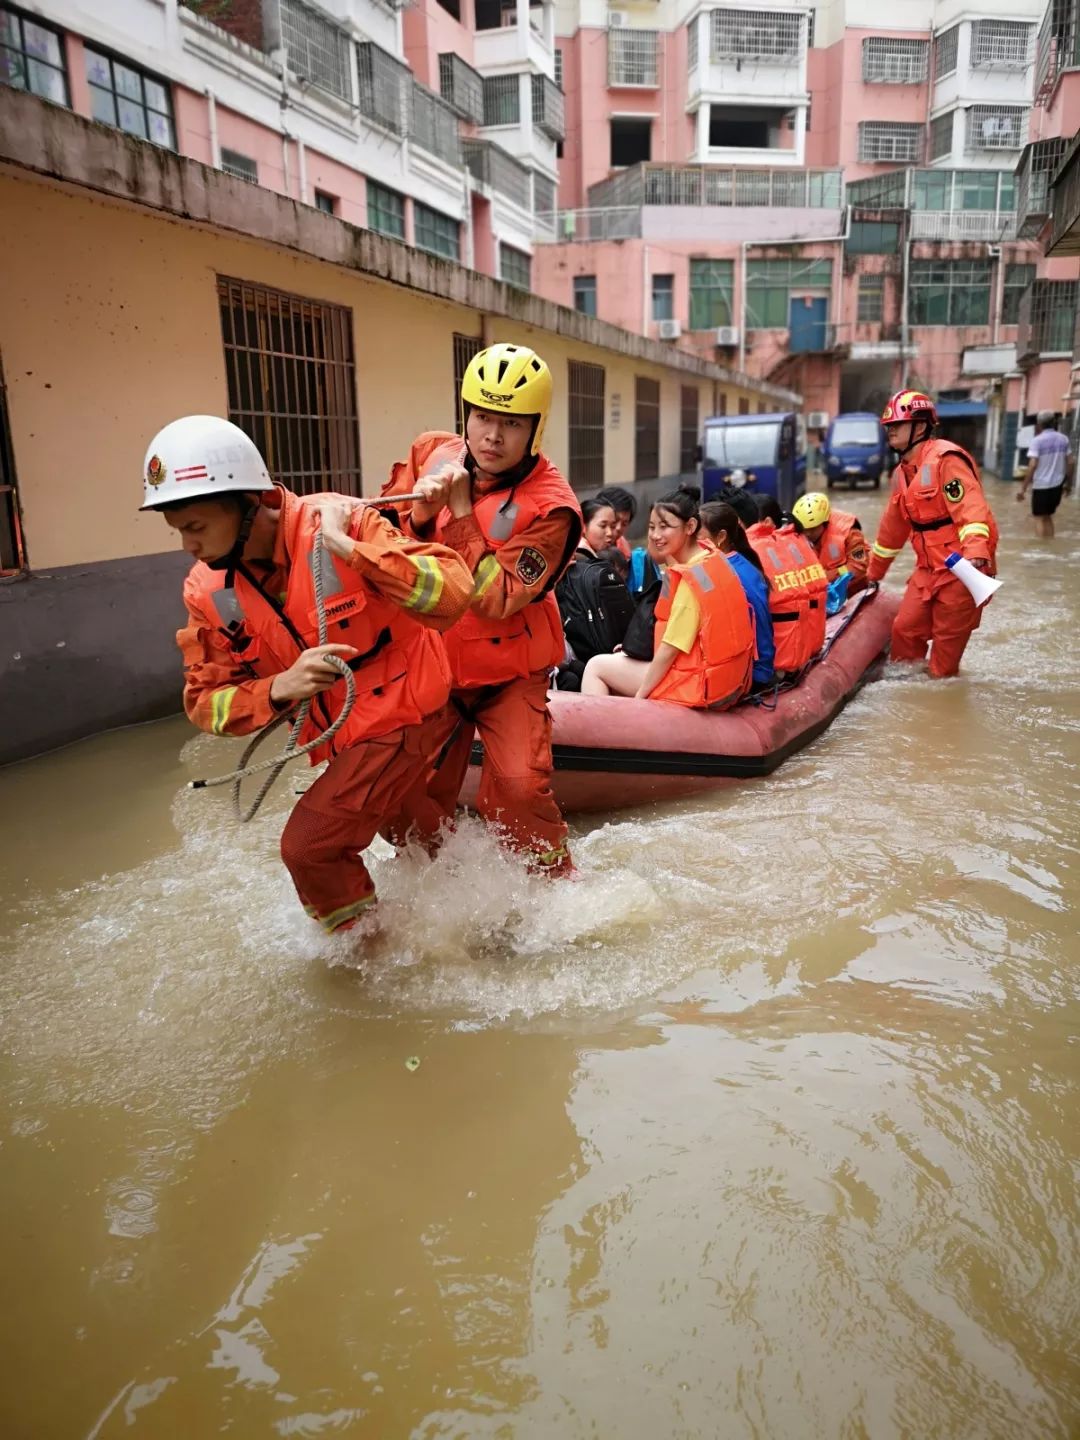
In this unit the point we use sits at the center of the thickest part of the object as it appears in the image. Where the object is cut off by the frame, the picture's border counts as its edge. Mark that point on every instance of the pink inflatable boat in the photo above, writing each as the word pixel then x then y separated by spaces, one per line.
pixel 611 754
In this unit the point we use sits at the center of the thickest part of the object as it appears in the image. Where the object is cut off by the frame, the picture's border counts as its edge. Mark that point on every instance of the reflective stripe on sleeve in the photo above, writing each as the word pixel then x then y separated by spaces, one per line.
pixel 484 575
pixel 220 706
pixel 975 528
pixel 884 553
pixel 429 584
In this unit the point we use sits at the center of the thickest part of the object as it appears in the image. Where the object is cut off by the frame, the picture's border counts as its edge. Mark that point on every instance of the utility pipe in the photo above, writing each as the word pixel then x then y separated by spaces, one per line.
pixel 212 127
pixel 301 158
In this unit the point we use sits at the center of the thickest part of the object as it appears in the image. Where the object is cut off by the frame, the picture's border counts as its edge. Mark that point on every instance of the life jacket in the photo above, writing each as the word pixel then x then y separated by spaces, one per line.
pixel 401 672
pixel 718 670
pixel 832 544
pixel 934 530
pixel 797 591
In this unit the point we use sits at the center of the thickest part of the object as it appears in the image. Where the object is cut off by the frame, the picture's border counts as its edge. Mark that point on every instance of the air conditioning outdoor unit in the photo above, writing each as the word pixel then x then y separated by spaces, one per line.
pixel 616 17
pixel 817 420
pixel 727 336
pixel 670 329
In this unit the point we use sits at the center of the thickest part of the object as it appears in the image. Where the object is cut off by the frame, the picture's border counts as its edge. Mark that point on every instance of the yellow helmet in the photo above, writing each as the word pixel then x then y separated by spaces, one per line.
pixel 509 380
pixel 812 510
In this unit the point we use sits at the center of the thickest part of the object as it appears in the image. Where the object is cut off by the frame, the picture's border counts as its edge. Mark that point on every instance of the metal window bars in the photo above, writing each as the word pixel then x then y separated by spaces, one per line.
pixel 317 50
pixel 996 127
pixel 646 428
pixel 494 167
pixel 689 405
pixel 462 87
pixel 893 61
pixel 515 267
pixel 562 227
pixel 465 347
pixel 242 167
pixel 1058 46
pixel 548 108
pixel 1001 44
pixel 769 36
pixel 659 184
pixel 585 397
pixel 941 135
pixel 558 67
pixel 892 142
pixel 692 43
pixel 946 50
pixel 633 57
pixel 1037 164
pixel 543 195
pixel 434 126
pixel 385 84
pixel 502 99
pixel 1047 317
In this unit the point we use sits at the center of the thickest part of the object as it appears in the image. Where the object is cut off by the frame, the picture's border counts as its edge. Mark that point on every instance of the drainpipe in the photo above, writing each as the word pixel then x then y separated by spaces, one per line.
pixel 469 258
pixel 995 253
pixel 211 121
pixel 645 290
pixel 301 158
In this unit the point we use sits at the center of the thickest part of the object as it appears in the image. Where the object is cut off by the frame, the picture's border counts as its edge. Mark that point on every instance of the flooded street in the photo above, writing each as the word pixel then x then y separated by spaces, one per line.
pixel 766 1127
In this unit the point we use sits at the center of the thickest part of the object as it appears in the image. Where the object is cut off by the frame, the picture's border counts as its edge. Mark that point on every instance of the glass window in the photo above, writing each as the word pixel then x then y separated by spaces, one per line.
pixel 946 47
pixel 585 294
pixel 850 431
pixel 932 190
pixel 950 292
pixel 712 293
pixel 874 237
pixel 437 233
pixel 1017 280
pixel 515 267
pixel 941 135
pixel 889 141
pixel 975 190
pixel 871 298
pixel 123 95
pixel 32 57
pixel 502 100
pixel 742 446
pixel 385 211
pixel 326 203
pixel 663 297
pixel 769 284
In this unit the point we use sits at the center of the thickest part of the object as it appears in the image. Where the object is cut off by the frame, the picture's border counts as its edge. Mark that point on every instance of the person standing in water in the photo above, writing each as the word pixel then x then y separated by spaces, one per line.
pixel 1049 473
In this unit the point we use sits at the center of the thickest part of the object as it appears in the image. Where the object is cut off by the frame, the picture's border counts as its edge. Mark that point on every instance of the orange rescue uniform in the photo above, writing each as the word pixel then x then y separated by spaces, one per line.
pixel 937 499
pixel 517 542
pixel 716 672
pixel 248 624
pixel 841 547
pixel 797 593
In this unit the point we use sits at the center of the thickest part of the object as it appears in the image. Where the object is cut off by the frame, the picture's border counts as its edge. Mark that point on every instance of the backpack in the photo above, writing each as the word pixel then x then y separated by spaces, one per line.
pixel 595 606
pixel 638 642
pixel 643 572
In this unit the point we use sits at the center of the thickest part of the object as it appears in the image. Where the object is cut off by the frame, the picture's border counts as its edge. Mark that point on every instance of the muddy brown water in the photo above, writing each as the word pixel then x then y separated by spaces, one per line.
pixel 766 1127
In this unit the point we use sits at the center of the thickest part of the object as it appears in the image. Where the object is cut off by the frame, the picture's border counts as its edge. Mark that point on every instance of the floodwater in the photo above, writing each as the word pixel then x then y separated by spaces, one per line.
pixel 766 1127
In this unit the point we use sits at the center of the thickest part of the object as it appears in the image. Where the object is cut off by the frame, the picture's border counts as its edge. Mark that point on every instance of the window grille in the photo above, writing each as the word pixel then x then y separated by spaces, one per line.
pixel 885 141
pixel 12 554
pixel 548 111
pixel 946 48
pixel 1058 46
pixel 1048 317
pixel 871 302
pixel 435 126
pixel 996 127
pixel 1039 162
pixel 663 297
pixel 585 294
pixel 719 185
pixel 436 233
pixel 712 293
pixel 317 50
pixel 242 166
pixel 950 292
pixel 502 99
pixel 765 35
pixel 515 267
pixel 1017 280
pixel 491 165
pixel 585 393
pixel 769 284
pixel 646 428
pixel 461 87
pixel 385 211
pixel 543 194
pixel 384 86
pixel 689 403
pixel 692 44
pixel 132 99
pixel 889 61
pixel 941 135
pixel 292 384
pixel 32 57
pixel 633 56
pixel 1000 44
pixel 465 347
pixel 558 67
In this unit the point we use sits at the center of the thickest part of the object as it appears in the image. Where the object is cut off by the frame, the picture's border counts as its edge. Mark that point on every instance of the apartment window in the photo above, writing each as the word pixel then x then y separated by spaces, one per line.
pixel 719 401
pixel 436 233
pixel 292 384
pixel 452 7
pixel 975 190
pixel 871 298
pixel 646 428
pixel 631 141
pixel 946 47
pixel 692 44
pixel 663 297
pixel 543 195
pixel 996 127
pixel 712 293
pixel 585 294
pixel 1051 316
pixel 496 14
pixel 242 166
pixel 385 211
pixel 12 556
pixel 32 57
pixel 762 35
pixel 1017 280
pixel 384 87
pixel 950 292
pixel 633 57
pixel 137 102
pixel 587 425
pixel 1000 44
pixel 465 347
pixel 326 203
pixel 892 61
pixel 558 67
pixel 888 142
pixel 435 126
pixel 316 48
pixel 515 267
pixel 941 131
pixel 873 237
pixel 769 284
pixel 688 428
pixel 502 100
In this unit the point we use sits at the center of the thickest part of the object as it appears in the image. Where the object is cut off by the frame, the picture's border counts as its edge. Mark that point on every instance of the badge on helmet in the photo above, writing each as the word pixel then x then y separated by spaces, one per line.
pixel 909 405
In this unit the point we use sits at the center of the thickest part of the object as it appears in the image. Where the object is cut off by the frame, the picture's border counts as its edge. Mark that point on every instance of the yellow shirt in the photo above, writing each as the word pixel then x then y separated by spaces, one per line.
pixel 684 622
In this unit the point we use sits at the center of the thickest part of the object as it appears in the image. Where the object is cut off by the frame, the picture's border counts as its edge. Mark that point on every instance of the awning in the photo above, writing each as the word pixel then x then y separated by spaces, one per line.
pixel 960 409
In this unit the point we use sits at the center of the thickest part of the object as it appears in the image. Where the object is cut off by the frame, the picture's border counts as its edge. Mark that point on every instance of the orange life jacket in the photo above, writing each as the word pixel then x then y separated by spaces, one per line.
pixel 797 591
pixel 934 530
pixel 718 670
pixel 402 674
pixel 832 544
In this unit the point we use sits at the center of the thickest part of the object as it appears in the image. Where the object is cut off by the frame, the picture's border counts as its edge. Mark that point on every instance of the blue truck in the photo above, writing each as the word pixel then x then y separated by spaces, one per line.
pixel 769 449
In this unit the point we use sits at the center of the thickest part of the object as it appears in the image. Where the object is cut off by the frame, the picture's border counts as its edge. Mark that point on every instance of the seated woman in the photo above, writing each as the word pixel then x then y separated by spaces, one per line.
pixel 722 525
pixel 704 651
pixel 593 601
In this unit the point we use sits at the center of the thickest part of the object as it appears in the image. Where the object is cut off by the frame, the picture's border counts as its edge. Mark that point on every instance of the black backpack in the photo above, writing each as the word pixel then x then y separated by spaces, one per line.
pixel 638 639
pixel 595 606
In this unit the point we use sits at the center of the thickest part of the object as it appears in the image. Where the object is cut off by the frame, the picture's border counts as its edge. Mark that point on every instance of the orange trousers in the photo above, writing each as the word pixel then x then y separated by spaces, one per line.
pixel 378 787
pixel 515 783
pixel 936 611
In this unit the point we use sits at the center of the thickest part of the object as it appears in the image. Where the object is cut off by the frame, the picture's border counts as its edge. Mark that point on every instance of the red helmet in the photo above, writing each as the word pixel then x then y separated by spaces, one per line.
pixel 909 405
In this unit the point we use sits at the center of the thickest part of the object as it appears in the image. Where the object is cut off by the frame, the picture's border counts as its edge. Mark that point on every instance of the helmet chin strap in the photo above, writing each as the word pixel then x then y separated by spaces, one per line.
pixel 927 431
pixel 243 535
pixel 506 479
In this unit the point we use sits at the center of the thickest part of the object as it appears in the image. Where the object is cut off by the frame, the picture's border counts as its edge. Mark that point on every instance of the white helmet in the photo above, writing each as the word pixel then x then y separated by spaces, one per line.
pixel 198 457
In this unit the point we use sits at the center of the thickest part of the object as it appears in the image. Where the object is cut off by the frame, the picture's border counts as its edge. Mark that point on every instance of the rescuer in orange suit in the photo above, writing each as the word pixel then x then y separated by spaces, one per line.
pixel 835 535
pixel 937 499
pixel 494 498
pixel 251 650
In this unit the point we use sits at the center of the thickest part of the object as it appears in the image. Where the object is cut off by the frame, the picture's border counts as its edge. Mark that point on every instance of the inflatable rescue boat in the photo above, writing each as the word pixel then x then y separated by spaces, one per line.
pixel 613 753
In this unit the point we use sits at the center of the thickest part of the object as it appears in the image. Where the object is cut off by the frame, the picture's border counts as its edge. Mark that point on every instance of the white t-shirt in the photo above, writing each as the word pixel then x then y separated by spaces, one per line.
pixel 1049 449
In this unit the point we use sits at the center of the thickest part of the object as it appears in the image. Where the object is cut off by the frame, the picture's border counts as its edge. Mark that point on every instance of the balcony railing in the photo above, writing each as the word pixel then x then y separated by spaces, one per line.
pixel 562 227
pixel 317 50
pixel 1045 325
pixel 1065 205
pixel 462 88
pixel 434 126
pixel 963 225
pixel 548 108
pixel 1037 165
pixel 385 87
pixel 656 184
pixel 492 166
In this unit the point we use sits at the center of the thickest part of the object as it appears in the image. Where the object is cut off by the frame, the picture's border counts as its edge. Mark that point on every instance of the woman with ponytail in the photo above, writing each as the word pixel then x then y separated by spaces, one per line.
pixel 724 529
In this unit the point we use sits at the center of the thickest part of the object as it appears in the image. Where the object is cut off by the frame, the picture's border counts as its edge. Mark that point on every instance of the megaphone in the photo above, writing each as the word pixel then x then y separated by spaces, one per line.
pixel 981 586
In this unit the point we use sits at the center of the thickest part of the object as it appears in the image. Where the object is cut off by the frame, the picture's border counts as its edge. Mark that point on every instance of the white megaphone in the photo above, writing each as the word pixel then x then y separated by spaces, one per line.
pixel 981 586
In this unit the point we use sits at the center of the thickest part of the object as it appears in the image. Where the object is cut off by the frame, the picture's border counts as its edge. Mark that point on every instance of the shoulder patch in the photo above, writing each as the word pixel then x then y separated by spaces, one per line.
pixel 531 565
pixel 953 490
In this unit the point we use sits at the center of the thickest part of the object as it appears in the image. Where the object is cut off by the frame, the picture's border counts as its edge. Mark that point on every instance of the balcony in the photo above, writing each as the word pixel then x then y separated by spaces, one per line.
pixel 385 89
pixel 1065 205
pixel 1033 174
pixel 434 126
pixel 316 49
pixel 1046 321
pixel 564 227
pixel 514 43
pixel 548 108
pixel 1058 46
pixel 658 184
pixel 492 167
pixel 989 225
pixel 748 55
pixel 462 88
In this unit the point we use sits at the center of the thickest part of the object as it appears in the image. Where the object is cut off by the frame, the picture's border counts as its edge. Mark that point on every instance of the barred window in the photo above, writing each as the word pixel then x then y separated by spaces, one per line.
pixel 585 294
pixel 585 394
pixel 548 107
pixel 502 99
pixel 763 35
pixel 316 48
pixel 893 61
pixel 292 384
pixel 874 237
pixel 941 133
pixel 242 166
pixel 688 428
pixel 996 127
pixel 461 87
pixel 435 126
pixel 633 57
pixel 769 284
pixel 558 67
pixel 692 44
pixel 32 57
pixel 437 233
pixel 950 292
pixel 1001 44
pixel 385 211
pixel 1051 317
pixel 646 428
pixel 543 194
pixel 712 293
pixel 871 298
pixel 887 141
pixel 946 48
pixel 515 267
pixel 12 555
pixel 465 347
pixel 663 297
pixel 1017 280
pixel 384 87
pixel 131 98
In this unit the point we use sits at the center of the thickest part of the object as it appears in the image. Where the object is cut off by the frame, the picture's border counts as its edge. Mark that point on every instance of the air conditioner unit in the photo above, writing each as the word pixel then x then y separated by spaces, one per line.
pixel 670 329
pixel 615 18
pixel 726 336
pixel 817 420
